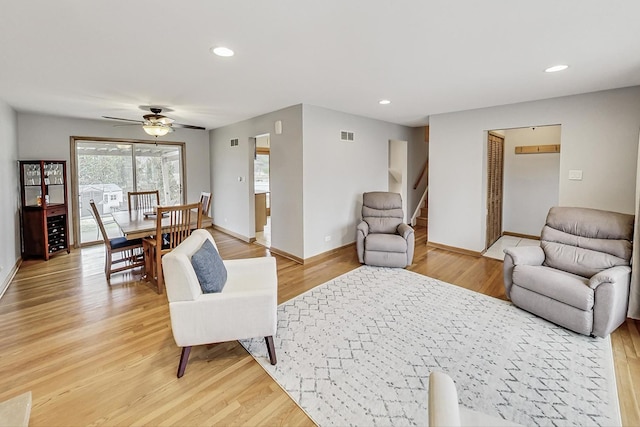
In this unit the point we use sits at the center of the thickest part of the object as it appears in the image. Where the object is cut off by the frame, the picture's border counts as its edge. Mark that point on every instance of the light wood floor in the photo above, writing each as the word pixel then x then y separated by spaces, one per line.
pixel 94 354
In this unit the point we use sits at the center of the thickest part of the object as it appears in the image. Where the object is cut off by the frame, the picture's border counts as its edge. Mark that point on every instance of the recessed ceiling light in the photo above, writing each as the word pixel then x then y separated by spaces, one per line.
pixel 556 68
pixel 384 102
pixel 222 51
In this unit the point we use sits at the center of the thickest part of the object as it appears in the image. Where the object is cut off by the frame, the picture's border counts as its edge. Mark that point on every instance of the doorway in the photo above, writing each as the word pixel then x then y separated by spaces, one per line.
pixel 262 190
pixel 495 176
pixel 518 201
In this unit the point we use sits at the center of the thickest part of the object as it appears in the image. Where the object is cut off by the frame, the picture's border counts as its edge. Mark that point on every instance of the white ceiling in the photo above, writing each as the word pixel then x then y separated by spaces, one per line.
pixel 87 59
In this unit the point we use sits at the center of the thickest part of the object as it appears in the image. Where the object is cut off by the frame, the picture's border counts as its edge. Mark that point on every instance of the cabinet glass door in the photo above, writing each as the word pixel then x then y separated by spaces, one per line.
pixel 54 183
pixel 32 184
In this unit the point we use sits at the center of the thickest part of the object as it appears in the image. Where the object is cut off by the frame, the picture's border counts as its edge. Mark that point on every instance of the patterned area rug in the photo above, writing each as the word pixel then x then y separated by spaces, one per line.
pixel 358 351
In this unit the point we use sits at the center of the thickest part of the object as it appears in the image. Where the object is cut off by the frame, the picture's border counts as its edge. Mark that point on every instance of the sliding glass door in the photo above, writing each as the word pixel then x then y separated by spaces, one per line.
pixel 159 168
pixel 106 169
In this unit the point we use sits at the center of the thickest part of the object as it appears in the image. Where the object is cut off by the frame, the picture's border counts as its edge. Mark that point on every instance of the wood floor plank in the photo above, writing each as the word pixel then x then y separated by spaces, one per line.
pixel 95 354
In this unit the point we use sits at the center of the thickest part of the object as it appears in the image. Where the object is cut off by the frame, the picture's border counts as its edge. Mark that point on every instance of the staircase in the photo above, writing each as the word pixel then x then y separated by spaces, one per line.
pixel 422 218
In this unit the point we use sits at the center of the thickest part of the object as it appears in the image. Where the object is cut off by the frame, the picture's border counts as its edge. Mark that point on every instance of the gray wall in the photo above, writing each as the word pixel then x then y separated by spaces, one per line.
pixel 599 137
pixel 233 200
pixel 336 173
pixel 9 193
pixel 47 137
pixel 531 181
pixel 317 181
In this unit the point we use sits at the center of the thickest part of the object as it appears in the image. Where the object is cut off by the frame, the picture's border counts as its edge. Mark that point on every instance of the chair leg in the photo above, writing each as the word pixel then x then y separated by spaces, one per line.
pixel 271 349
pixel 107 265
pixel 160 277
pixel 147 254
pixel 184 358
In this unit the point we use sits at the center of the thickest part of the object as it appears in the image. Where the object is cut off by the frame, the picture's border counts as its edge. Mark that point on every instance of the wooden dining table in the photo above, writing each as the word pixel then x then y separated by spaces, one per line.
pixel 136 224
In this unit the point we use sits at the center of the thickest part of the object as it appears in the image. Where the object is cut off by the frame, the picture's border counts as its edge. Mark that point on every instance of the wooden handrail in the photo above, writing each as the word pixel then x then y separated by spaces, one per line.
pixel 423 173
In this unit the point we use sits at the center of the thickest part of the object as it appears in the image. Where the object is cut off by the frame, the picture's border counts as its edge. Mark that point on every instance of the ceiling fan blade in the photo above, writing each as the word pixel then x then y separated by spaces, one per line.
pixel 180 125
pixel 124 120
pixel 157 119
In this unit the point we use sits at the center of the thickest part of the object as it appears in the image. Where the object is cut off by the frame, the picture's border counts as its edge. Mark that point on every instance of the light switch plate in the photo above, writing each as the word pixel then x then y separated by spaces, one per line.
pixel 575 175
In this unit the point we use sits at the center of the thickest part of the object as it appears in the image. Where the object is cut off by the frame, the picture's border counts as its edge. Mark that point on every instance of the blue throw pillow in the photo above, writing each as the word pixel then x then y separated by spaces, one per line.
pixel 209 268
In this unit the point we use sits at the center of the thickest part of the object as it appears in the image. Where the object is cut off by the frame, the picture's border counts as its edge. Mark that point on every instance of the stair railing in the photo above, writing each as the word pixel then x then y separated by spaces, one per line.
pixel 423 173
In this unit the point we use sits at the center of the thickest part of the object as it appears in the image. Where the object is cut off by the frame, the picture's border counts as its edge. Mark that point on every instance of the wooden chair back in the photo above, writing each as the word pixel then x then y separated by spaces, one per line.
pixel 98 219
pixel 173 225
pixel 205 201
pixel 143 200
pixel 130 253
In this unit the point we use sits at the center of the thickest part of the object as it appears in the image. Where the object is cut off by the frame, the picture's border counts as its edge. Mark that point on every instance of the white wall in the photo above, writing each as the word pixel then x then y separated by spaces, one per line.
pixel 47 137
pixel 9 193
pixel 233 201
pixel 336 173
pixel 599 137
pixel 531 181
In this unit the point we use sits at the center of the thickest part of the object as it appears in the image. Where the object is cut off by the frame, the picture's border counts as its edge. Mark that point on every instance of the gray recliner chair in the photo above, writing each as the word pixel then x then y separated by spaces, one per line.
pixel 579 275
pixel 382 239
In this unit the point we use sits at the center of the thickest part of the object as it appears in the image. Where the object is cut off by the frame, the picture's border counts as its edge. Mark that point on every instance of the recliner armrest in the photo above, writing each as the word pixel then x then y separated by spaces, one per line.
pixel 519 255
pixel 363 227
pixel 611 299
pixel 362 231
pixel 526 255
pixel 617 274
pixel 405 230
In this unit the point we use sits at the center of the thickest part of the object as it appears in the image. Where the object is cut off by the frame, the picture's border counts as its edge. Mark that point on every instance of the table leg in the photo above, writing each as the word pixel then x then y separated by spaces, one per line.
pixel 149 263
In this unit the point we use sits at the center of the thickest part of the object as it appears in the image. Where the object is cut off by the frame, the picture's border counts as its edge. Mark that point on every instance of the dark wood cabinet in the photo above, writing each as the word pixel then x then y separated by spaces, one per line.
pixel 45 214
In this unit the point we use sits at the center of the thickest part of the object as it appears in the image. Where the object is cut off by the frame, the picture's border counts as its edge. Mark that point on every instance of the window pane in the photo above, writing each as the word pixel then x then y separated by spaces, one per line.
pixel 158 168
pixel 104 175
pixel 261 172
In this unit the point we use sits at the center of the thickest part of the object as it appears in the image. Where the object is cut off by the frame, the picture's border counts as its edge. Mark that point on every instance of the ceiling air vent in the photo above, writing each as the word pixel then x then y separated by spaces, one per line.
pixel 234 142
pixel 345 135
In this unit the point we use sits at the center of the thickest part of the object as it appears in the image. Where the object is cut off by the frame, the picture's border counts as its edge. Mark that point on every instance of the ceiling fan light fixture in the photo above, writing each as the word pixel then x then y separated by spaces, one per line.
pixel 155 124
pixel 156 129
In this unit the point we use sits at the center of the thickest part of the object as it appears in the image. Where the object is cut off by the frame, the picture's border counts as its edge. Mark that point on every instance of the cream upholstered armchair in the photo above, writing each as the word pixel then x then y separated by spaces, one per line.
pixel 382 238
pixel 444 409
pixel 579 275
pixel 244 308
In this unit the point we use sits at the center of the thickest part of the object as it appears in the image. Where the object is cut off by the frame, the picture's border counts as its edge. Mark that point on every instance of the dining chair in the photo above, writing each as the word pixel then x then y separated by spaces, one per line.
pixel 173 225
pixel 205 200
pixel 129 252
pixel 143 200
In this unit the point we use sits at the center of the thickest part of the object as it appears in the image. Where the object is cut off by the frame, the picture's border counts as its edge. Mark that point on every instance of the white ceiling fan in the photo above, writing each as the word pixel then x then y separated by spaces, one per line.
pixel 155 124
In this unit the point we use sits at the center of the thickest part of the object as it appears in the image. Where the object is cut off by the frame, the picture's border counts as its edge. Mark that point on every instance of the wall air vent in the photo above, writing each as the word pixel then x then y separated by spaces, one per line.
pixel 234 142
pixel 347 136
